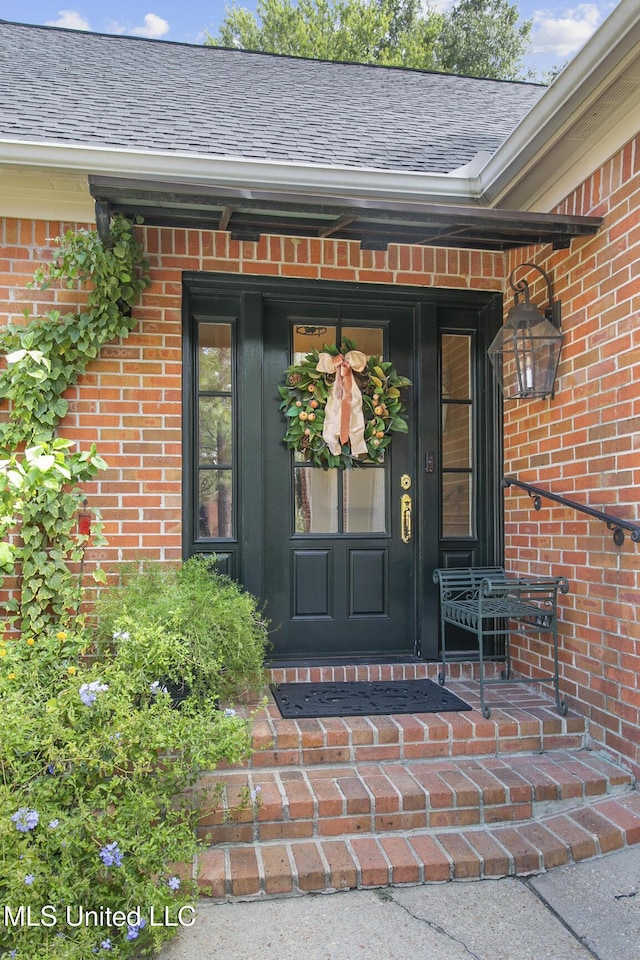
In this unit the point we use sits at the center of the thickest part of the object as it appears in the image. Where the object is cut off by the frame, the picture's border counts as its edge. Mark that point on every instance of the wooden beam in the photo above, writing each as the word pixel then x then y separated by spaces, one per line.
pixel 225 216
pixel 336 225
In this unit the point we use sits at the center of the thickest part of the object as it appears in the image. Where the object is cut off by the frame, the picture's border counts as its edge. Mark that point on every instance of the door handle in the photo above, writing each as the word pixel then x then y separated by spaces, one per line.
pixel 405 518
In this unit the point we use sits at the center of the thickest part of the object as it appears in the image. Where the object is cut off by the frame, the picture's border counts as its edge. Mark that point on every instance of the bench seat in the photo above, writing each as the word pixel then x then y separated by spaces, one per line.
pixel 489 602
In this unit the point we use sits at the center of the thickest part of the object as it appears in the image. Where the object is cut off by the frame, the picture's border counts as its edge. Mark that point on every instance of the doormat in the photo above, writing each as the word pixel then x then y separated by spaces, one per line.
pixel 365 698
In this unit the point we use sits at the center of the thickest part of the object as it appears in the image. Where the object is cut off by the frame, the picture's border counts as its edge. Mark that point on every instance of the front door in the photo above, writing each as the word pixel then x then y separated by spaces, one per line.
pixel 339 550
pixel 342 559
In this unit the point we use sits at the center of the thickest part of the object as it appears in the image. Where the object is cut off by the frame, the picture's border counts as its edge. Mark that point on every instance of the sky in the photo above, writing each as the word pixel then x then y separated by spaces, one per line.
pixel 560 28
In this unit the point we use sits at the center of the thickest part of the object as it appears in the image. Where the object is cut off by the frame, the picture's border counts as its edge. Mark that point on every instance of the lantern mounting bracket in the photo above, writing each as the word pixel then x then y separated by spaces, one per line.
pixel 553 310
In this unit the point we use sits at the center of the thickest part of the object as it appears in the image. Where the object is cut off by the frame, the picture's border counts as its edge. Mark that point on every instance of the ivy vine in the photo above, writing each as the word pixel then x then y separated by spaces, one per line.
pixel 39 472
pixel 51 352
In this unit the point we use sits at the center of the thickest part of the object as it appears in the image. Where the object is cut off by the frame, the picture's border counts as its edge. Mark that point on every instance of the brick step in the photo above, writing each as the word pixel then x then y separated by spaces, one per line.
pixel 326 801
pixel 289 867
pixel 405 670
pixel 522 719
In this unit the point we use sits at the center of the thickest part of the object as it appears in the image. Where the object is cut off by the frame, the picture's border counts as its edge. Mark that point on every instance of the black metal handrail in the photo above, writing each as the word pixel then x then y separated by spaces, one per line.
pixel 617 524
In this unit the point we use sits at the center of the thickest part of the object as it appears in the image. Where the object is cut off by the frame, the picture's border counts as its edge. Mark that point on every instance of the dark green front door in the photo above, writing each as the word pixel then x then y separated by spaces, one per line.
pixel 339 577
pixel 333 555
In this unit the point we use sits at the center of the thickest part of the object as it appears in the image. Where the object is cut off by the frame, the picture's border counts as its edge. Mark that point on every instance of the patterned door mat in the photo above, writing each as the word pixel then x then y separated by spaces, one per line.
pixel 364 698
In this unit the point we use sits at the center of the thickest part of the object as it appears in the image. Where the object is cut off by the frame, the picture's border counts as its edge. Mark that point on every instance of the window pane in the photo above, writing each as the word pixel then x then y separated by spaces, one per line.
pixel 369 340
pixel 215 516
pixel 456 436
pixel 215 430
pixel 456 505
pixel 214 356
pixel 456 367
pixel 316 500
pixel 311 336
pixel 364 501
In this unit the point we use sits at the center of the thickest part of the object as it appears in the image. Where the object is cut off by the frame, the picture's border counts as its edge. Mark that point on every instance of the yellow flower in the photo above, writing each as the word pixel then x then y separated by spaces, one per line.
pixel 11 676
pixel 3 652
pixel 72 670
pixel 61 635
pixel 30 642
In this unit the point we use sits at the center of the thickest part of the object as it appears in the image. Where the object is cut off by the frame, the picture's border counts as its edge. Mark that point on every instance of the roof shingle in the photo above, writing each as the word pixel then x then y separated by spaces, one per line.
pixel 66 86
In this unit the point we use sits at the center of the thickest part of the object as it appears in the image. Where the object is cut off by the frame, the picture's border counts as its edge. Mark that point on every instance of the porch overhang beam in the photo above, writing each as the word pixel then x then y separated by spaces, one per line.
pixel 341 218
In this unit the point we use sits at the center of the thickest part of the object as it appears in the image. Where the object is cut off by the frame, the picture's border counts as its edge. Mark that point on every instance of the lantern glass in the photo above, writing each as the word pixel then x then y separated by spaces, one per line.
pixel 525 353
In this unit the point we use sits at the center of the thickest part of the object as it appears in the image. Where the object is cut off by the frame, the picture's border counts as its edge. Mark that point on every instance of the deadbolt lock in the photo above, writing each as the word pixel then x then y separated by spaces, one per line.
pixel 405 481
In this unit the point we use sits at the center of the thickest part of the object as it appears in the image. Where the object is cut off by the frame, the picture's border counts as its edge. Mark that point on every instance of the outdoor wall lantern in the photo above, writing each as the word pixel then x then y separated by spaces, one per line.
pixel 526 350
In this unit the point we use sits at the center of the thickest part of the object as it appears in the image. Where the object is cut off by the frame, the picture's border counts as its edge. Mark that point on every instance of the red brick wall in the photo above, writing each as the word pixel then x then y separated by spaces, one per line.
pixel 129 401
pixel 585 444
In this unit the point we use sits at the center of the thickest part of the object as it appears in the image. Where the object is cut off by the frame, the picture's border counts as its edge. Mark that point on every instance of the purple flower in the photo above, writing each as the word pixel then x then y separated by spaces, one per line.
pixel 89 692
pixel 106 944
pixel 25 819
pixel 230 712
pixel 29 879
pixel 173 883
pixel 111 855
pixel 133 930
pixel 255 792
pixel 53 824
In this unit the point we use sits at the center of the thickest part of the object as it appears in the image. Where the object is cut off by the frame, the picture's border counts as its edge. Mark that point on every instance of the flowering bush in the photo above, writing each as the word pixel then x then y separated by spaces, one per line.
pixel 97 828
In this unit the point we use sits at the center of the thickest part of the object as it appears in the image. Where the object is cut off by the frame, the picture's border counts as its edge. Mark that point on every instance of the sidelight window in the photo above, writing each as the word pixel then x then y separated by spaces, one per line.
pixel 215 432
pixel 457 413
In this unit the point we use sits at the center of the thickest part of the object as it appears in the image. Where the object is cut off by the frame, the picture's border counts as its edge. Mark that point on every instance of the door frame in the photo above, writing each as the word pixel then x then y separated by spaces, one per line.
pixel 239 299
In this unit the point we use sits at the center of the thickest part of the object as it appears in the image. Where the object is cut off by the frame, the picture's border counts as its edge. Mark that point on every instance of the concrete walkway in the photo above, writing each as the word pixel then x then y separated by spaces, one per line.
pixel 577 912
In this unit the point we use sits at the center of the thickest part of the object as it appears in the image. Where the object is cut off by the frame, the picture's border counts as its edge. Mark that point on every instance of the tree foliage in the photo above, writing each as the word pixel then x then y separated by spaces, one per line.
pixel 481 38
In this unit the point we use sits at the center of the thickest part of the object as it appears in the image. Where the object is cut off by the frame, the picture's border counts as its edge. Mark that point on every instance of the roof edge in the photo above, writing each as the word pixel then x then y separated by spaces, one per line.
pixel 315 179
pixel 265 53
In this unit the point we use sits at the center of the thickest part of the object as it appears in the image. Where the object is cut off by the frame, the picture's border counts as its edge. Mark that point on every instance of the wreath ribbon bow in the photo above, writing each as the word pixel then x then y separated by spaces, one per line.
pixel 344 417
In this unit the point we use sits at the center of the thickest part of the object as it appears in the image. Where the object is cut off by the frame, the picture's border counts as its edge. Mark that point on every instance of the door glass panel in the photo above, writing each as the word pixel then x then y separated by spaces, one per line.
pixel 456 437
pixel 336 501
pixel 364 508
pixel 369 340
pixel 215 506
pixel 456 505
pixel 311 336
pixel 316 500
pixel 214 356
pixel 215 430
pixel 456 367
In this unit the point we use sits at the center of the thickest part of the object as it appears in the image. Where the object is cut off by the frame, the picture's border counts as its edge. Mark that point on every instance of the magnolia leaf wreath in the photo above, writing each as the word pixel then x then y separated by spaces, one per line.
pixel 342 406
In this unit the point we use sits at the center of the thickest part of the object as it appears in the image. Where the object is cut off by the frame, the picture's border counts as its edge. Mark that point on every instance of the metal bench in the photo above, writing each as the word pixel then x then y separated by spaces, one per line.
pixel 491 603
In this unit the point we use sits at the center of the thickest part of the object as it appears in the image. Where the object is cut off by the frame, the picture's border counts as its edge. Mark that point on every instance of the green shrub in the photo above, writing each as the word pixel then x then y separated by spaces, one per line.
pixel 211 634
pixel 95 808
